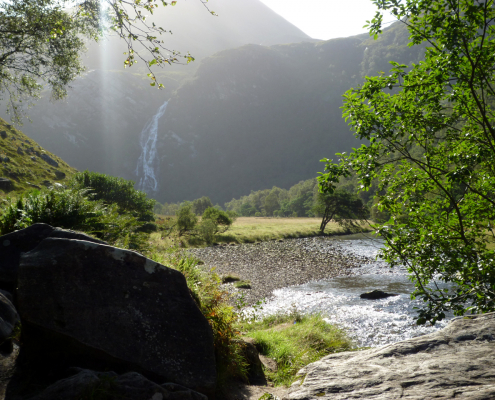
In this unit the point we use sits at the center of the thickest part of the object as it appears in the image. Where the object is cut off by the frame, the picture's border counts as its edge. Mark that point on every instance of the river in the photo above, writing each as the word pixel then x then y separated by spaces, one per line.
pixel 369 322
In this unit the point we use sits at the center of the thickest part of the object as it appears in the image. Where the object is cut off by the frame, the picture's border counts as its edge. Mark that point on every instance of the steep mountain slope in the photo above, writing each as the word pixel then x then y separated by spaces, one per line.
pixel 250 118
pixel 255 117
pixel 97 127
pixel 26 164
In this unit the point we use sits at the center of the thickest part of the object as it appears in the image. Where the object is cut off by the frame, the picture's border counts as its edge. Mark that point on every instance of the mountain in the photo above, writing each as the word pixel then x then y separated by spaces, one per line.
pixel 26 164
pixel 198 32
pixel 98 125
pixel 249 118
pixel 255 116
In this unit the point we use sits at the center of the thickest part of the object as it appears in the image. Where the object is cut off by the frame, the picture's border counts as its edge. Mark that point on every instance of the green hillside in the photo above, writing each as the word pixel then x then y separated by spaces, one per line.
pixel 26 165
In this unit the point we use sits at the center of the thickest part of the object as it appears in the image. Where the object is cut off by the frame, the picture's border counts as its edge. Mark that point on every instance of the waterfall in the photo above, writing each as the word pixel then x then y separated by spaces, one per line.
pixel 146 164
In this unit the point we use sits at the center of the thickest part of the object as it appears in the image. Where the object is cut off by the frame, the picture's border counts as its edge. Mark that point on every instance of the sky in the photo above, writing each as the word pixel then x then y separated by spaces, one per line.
pixel 326 19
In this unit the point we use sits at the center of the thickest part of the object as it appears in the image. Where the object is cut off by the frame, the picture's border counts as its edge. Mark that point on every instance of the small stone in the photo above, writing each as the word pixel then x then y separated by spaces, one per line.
pixel 60 175
pixel 49 160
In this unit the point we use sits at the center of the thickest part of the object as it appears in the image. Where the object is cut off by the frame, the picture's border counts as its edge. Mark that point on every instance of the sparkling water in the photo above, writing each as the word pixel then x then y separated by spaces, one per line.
pixel 368 322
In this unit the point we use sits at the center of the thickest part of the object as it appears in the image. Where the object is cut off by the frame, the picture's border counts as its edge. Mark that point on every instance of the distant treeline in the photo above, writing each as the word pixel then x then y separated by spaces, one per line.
pixel 301 200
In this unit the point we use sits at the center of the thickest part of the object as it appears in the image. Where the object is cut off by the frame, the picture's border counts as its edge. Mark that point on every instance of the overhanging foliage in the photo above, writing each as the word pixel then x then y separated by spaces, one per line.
pixel 431 133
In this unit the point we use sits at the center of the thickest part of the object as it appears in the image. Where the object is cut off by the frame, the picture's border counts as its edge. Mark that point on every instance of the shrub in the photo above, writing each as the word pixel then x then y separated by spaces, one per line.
pixel 72 209
pixel 220 218
pixel 66 208
pixel 232 215
pixel 207 229
pixel 186 219
pixel 113 190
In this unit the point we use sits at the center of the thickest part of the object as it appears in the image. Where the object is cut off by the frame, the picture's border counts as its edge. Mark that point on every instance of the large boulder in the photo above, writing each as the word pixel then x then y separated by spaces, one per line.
pixel 456 362
pixel 111 386
pixel 49 160
pixel 15 243
pixel 97 302
pixel 8 317
pixel 5 184
pixel 376 295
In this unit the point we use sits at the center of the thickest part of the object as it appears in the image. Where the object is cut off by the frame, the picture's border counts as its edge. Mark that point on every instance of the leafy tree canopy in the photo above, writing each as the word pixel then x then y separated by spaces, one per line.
pixel 41 41
pixel 218 217
pixel 341 206
pixel 201 204
pixel 430 130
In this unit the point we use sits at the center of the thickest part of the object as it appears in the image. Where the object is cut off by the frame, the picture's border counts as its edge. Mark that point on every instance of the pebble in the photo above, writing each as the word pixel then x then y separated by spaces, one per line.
pixel 278 264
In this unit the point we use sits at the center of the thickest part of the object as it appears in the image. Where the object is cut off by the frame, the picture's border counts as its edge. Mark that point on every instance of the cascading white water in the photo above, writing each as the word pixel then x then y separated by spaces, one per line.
pixel 147 162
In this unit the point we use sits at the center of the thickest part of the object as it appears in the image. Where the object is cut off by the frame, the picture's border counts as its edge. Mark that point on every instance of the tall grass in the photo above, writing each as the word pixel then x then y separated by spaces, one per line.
pixel 294 341
pixel 72 209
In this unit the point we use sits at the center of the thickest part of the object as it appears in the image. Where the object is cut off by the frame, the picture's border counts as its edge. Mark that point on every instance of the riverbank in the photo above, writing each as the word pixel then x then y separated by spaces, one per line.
pixel 278 264
pixel 258 229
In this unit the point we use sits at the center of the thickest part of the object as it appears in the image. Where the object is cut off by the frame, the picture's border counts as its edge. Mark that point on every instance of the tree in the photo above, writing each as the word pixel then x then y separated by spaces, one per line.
pixel 186 219
pixel 431 147
pixel 41 41
pixel 220 218
pixel 200 205
pixel 271 203
pixel 343 207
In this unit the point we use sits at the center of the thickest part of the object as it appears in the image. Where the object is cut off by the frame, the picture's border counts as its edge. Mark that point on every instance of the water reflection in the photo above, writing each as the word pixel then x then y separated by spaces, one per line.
pixel 369 322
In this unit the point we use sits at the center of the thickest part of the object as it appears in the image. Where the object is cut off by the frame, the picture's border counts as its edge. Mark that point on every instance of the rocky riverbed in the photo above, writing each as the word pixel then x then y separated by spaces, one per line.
pixel 278 264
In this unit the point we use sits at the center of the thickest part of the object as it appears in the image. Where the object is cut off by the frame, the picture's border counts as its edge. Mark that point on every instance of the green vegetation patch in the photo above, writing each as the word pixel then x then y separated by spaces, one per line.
pixel 26 164
pixel 243 285
pixel 295 341
pixel 230 278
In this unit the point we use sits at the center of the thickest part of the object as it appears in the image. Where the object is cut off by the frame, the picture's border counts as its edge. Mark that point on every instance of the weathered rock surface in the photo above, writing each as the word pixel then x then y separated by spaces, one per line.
pixel 15 243
pixel 8 317
pixel 256 376
pixel 49 160
pixel 456 362
pixel 376 295
pixel 60 175
pixel 111 386
pixel 102 303
pixel 5 184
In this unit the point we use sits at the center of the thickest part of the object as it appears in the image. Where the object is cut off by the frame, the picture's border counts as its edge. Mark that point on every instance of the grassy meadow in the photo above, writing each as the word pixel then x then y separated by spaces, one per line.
pixel 251 230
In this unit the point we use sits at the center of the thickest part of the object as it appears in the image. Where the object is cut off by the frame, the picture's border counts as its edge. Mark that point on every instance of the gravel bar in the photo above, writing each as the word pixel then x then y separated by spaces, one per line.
pixel 277 264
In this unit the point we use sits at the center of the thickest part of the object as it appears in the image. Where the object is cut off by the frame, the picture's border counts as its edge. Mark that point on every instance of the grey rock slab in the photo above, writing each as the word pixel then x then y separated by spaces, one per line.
pixel 60 174
pixel 24 240
pixel 49 160
pixel 117 306
pixel 5 183
pixel 111 386
pixel 455 362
